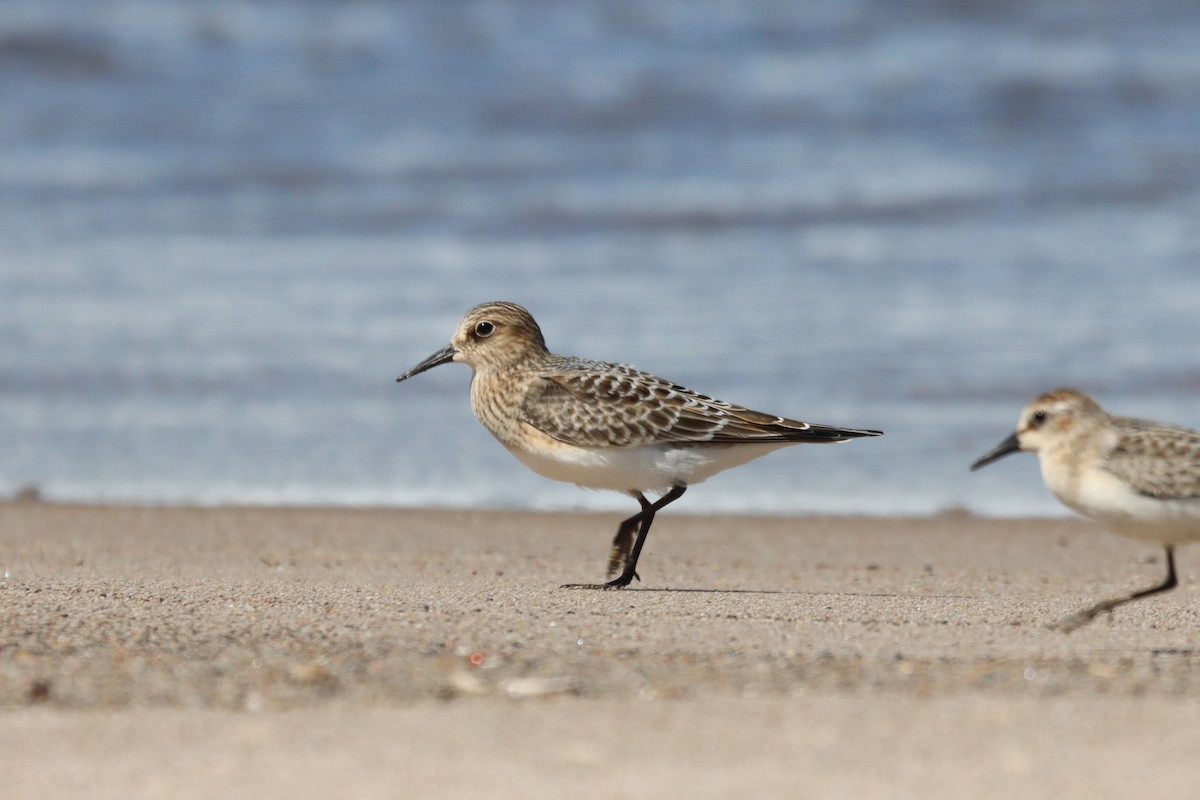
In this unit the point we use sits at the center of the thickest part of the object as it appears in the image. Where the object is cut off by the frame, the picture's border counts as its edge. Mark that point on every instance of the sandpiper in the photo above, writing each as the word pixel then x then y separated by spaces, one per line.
pixel 606 426
pixel 1138 478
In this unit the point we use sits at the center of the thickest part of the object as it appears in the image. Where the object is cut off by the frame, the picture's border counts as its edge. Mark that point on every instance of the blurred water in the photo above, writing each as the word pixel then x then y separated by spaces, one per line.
pixel 226 227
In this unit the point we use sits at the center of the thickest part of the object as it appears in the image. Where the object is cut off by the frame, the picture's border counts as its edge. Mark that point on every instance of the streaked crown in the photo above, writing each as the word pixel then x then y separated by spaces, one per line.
pixel 1054 415
pixel 496 335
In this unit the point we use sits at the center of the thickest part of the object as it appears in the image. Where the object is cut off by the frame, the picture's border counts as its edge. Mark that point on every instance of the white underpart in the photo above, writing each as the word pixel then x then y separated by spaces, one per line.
pixel 653 468
pixel 1101 496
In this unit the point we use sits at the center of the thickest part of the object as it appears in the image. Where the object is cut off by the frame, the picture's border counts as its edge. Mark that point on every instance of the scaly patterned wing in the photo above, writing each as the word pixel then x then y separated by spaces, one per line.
pixel 1157 460
pixel 594 404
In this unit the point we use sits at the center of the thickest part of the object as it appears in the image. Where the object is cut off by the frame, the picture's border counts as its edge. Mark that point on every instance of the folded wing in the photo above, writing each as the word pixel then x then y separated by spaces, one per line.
pixel 1157 460
pixel 601 405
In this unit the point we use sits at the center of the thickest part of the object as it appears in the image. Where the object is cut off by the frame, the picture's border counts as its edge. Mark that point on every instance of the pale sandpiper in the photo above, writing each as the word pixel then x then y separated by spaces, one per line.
pixel 606 426
pixel 1138 478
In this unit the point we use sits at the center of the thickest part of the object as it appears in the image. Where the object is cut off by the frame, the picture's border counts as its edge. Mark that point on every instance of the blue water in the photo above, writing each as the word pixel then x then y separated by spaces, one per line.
pixel 226 227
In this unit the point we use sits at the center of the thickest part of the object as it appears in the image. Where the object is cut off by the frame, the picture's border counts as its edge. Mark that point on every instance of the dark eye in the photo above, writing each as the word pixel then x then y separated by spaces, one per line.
pixel 1039 417
pixel 484 329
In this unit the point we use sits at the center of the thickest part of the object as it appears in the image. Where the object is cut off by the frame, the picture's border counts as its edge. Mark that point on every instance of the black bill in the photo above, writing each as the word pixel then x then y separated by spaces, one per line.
pixel 443 356
pixel 1009 445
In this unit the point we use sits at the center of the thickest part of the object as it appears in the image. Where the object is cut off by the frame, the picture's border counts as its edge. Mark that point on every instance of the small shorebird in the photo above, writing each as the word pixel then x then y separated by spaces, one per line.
pixel 1138 478
pixel 606 426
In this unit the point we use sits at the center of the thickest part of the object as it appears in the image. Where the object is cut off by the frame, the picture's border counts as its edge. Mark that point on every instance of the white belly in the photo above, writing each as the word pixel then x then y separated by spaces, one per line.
pixel 654 468
pixel 1106 499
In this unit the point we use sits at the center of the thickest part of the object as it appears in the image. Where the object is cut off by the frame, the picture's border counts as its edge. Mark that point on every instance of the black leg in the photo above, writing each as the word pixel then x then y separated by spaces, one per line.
pixel 623 541
pixel 643 519
pixel 1081 618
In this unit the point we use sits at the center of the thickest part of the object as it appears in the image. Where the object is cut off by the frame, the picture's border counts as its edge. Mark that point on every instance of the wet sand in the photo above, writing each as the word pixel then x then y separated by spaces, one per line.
pixel 235 652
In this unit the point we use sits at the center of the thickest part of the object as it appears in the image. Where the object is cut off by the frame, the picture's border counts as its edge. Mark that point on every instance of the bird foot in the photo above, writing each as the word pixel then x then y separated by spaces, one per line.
pixel 616 583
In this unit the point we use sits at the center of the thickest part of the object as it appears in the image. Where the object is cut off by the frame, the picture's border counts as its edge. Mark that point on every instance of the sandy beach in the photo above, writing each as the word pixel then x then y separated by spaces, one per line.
pixel 300 652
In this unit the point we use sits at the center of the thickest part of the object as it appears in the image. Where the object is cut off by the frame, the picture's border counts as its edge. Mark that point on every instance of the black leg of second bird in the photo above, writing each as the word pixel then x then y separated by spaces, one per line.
pixel 1080 618
pixel 643 519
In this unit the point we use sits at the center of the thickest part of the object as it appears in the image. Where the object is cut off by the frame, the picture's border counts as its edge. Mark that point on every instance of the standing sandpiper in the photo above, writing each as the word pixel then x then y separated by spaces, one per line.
pixel 606 426
pixel 1138 478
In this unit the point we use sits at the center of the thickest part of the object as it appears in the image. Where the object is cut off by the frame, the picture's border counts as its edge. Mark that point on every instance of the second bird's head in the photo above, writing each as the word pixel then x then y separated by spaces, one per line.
pixel 489 336
pixel 1047 422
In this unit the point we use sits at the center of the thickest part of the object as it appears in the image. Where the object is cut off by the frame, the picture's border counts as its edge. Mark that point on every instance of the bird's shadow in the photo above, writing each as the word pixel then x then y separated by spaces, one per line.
pixel 791 592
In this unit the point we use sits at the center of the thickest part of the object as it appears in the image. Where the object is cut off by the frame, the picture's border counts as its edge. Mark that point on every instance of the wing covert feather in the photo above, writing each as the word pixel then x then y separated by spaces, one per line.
pixel 617 405
pixel 1157 460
